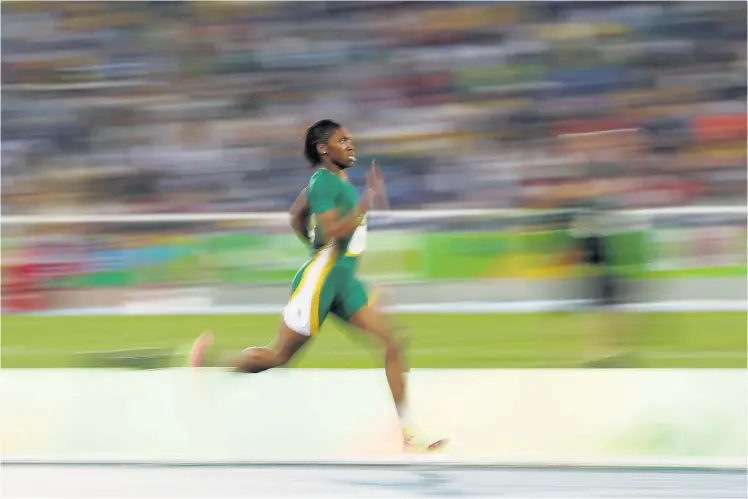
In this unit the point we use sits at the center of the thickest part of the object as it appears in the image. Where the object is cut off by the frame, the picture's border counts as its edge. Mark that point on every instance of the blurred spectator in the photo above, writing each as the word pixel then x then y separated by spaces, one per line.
pixel 200 106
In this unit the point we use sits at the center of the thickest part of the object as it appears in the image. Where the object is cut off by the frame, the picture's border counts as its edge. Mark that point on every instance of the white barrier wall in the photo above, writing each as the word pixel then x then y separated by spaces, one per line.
pixel 638 417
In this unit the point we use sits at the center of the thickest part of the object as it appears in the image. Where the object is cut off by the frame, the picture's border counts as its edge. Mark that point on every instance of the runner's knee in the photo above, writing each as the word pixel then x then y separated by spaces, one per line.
pixel 394 343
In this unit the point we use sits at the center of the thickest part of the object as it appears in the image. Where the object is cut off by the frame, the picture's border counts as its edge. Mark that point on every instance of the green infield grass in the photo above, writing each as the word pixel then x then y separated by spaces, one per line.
pixel 667 340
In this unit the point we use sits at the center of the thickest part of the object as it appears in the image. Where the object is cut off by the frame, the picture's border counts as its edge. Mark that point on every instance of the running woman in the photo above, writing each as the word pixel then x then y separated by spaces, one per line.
pixel 328 282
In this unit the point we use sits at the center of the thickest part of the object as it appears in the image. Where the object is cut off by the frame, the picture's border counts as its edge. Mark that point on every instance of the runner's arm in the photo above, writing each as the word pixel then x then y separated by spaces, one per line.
pixel 339 227
pixel 321 196
pixel 300 217
pixel 384 202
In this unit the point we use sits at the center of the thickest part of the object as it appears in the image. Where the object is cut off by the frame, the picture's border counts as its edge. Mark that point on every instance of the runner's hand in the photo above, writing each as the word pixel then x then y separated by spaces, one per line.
pixel 375 180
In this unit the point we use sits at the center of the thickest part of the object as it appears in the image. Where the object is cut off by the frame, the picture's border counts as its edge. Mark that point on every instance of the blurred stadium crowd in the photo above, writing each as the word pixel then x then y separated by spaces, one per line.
pixel 122 107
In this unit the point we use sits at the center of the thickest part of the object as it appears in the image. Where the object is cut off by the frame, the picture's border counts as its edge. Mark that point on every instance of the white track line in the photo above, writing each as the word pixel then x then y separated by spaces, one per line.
pixel 422 308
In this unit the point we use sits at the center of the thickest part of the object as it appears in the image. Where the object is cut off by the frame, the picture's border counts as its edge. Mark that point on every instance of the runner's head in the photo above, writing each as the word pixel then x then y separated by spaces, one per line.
pixel 328 142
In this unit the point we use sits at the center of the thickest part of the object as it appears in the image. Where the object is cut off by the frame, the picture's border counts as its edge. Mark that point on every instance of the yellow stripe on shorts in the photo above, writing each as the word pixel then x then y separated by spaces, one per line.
pixel 314 322
pixel 305 274
pixel 373 295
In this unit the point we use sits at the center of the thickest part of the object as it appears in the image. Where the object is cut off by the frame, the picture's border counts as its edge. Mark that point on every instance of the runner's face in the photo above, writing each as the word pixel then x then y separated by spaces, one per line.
pixel 340 148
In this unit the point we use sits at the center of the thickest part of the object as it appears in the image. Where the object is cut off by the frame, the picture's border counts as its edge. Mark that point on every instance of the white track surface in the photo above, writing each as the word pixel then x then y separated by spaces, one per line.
pixel 82 481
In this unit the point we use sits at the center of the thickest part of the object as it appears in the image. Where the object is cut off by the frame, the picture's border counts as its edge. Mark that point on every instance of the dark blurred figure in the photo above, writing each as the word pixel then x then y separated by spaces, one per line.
pixel 604 160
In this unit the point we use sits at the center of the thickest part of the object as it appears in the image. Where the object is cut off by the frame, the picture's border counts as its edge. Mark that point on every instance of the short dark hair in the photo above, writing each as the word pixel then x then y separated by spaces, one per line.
pixel 319 133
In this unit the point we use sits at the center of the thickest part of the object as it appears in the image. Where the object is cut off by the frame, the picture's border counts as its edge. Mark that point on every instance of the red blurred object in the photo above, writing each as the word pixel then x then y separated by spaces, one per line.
pixel 22 289
pixel 672 191
pixel 718 128
pixel 58 270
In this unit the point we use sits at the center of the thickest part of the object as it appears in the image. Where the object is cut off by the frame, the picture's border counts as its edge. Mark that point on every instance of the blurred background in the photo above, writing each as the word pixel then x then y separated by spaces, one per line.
pixel 601 147
pixel 121 107
pixel 174 107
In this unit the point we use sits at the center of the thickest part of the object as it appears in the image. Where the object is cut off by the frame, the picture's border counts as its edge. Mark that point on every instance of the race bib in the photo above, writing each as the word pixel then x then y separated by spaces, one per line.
pixel 357 244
